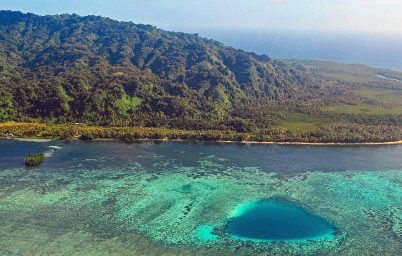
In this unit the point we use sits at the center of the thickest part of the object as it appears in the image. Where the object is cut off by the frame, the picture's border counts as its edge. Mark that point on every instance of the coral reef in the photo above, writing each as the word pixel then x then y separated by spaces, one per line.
pixel 183 209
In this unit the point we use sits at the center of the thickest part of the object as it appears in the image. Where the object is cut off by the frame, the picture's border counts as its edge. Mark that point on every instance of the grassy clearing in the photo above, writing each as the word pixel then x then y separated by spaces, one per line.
pixel 352 73
pixel 297 123
pixel 374 102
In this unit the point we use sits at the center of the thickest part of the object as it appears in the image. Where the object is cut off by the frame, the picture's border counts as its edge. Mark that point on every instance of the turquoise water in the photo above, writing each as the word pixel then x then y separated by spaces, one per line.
pixel 205 233
pixel 109 198
pixel 274 221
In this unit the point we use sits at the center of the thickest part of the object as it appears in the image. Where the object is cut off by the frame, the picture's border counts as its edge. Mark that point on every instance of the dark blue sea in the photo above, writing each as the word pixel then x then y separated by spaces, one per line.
pixel 374 50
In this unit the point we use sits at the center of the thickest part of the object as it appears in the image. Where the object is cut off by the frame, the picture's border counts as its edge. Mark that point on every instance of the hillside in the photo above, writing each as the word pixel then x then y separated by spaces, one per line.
pixel 94 70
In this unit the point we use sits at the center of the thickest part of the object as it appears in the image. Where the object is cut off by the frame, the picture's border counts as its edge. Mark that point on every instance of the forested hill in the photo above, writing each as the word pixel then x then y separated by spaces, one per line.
pixel 68 68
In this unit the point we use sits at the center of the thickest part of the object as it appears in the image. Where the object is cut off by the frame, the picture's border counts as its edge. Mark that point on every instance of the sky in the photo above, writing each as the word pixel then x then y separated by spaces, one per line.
pixel 367 16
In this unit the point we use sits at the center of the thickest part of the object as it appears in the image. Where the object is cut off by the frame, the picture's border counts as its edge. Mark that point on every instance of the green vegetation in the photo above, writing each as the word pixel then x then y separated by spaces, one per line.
pixel 93 70
pixel 329 133
pixel 297 122
pixel 378 102
pixel 66 69
pixel 34 160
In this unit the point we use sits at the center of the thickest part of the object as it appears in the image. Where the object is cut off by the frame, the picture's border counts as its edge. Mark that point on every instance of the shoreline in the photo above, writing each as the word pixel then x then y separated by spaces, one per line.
pixel 41 132
pixel 316 143
pixel 47 139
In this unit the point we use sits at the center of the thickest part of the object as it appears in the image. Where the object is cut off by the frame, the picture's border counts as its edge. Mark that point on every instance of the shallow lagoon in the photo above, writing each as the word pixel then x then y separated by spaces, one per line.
pixel 178 198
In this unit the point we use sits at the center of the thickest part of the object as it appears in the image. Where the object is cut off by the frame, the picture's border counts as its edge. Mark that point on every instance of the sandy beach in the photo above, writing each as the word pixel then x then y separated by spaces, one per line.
pixel 226 141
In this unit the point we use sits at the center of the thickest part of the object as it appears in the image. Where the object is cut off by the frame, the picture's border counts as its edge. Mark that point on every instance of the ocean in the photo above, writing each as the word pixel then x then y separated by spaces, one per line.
pixel 383 51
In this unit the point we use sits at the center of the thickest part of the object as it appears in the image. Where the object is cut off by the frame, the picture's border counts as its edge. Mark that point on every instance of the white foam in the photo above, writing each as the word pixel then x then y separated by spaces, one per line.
pixel 49 153
pixel 55 147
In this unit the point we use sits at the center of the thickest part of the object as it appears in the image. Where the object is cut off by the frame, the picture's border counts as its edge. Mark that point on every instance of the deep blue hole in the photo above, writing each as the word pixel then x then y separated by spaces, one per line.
pixel 269 220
